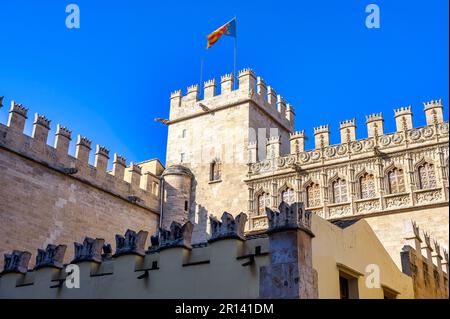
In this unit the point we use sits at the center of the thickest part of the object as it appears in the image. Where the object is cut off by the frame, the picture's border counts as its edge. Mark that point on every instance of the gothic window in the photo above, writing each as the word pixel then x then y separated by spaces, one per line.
pixel 396 181
pixel 339 191
pixel 427 176
pixel 215 171
pixel 288 196
pixel 263 202
pixel 367 186
pixel 313 195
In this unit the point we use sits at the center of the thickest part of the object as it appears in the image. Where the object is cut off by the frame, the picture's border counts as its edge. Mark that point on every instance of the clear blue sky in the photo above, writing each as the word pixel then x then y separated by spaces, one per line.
pixel 109 79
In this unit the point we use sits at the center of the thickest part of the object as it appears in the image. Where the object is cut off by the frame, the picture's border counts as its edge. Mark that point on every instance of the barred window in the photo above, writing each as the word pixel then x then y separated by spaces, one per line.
pixel 396 181
pixel 339 188
pixel 288 196
pixel 367 186
pixel 263 202
pixel 313 195
pixel 215 171
pixel 427 176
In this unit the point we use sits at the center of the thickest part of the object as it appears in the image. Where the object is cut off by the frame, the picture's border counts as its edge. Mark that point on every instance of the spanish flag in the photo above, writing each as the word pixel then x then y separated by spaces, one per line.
pixel 228 29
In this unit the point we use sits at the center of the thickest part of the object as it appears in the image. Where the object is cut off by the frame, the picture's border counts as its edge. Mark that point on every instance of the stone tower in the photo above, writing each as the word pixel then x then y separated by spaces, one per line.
pixel 216 136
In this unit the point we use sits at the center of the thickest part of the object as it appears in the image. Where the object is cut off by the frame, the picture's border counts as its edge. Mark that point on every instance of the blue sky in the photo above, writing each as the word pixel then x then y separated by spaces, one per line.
pixel 109 79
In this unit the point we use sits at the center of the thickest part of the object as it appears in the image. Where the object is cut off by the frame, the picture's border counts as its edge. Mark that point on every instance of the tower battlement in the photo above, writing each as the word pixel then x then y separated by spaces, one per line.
pixel 376 137
pixel 130 183
pixel 250 88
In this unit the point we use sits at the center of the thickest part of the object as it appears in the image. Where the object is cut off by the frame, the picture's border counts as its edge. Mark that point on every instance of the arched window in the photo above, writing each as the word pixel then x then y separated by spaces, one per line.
pixel 263 202
pixel 339 191
pixel 396 181
pixel 427 176
pixel 215 171
pixel 313 195
pixel 288 196
pixel 367 186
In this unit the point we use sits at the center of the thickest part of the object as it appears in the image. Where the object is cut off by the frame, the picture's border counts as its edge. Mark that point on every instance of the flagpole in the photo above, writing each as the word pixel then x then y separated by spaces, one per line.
pixel 201 74
pixel 235 56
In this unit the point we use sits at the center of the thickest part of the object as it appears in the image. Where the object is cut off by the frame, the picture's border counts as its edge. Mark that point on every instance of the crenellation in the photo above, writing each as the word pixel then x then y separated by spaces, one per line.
pixel 192 93
pixel 322 136
pixel 17 117
pixel 403 118
pixel 52 256
pixel 261 88
pixel 133 175
pixel 175 100
pixel 290 114
pixel 348 131
pixel 16 262
pixel 83 149
pixel 297 141
pixel 375 124
pixel 434 112
pixel 281 105
pixel 226 83
pixel 209 88
pixel 101 158
pixel 41 127
pixel 247 80
pixel 271 97
pixel 119 165
pixel 273 146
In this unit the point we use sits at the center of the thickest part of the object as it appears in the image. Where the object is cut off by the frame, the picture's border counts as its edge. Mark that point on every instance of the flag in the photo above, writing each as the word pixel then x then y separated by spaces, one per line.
pixel 228 29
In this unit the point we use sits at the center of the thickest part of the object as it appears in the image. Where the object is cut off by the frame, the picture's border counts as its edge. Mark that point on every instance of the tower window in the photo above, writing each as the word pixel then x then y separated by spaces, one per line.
pixel 215 171
pixel 185 205
pixel 183 133
pixel 182 157
pixel 263 202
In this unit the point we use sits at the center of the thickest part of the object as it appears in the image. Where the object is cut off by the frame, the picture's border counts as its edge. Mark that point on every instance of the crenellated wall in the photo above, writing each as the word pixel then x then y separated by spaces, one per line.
pixel 47 194
pixel 300 256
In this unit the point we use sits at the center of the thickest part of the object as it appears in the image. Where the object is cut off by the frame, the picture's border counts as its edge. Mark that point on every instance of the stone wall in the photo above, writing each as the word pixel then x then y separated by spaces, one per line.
pixel 48 196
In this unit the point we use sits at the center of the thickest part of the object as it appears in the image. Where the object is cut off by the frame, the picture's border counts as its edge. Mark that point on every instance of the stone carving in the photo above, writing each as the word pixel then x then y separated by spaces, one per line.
pixel 385 140
pixel 177 236
pixel 397 138
pixel 342 149
pixel 131 243
pixel 289 217
pixel 304 157
pixel 89 250
pixel 397 201
pixel 428 197
pixel 17 262
pixel 228 227
pixel 414 135
pixel 52 256
pixel 260 222
pixel 427 132
pixel 446 256
pixel 367 206
pixel 341 210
